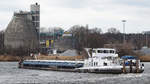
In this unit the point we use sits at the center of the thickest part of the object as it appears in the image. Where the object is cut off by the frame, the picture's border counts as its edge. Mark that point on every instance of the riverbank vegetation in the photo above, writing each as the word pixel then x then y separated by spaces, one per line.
pixel 41 57
pixel 145 58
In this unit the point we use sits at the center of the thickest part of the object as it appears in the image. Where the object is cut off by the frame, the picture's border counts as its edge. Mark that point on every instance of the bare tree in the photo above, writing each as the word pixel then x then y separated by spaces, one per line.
pixel 87 37
pixel 113 30
pixel 96 30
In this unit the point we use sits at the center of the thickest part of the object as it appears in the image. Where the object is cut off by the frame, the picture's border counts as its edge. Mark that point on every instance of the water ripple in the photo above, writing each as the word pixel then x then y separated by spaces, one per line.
pixel 11 74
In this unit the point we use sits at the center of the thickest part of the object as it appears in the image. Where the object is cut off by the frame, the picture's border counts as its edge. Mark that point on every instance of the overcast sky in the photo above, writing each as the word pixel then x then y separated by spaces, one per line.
pixel 103 14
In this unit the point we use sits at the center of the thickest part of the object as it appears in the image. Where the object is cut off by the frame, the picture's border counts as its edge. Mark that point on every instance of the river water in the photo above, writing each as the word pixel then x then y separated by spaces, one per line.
pixel 10 74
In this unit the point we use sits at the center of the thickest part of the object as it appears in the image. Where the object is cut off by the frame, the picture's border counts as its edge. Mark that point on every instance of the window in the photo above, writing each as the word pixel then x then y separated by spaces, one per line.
pixel 105 51
pixel 105 64
pixel 109 58
pixel 94 51
pixel 37 24
pixel 34 23
pixel 100 51
pixel 112 51
pixel 37 12
pixel 37 18
pixel 95 63
pixel 33 18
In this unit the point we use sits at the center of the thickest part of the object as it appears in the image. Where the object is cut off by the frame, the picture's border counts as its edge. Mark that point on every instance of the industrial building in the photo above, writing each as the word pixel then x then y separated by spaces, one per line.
pixel 23 29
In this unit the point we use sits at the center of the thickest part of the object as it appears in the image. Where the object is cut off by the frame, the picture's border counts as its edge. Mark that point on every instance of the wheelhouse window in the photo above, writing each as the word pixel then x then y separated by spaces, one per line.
pixel 108 58
pixel 106 51
pixel 100 51
pixel 112 51
pixel 95 63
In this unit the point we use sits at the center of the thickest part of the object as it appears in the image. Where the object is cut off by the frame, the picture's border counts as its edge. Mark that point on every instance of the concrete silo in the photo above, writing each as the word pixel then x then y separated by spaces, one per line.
pixel 21 32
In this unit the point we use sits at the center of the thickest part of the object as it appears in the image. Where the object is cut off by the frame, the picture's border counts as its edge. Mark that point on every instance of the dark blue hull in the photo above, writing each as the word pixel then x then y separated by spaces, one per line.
pixel 48 64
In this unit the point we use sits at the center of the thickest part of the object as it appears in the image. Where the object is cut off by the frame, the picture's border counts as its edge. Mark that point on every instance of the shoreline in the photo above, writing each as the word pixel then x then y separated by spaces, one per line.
pixel 145 58
pixel 9 58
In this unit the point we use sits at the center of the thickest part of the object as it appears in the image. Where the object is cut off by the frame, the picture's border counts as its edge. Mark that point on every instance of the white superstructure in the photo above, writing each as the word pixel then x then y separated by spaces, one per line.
pixel 102 60
pixel 101 57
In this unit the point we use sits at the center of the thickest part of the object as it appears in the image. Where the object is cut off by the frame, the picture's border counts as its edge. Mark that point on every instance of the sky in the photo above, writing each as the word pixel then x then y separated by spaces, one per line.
pixel 103 14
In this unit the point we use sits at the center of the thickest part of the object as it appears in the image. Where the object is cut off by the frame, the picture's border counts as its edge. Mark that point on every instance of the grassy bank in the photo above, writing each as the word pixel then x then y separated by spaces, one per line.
pixel 41 57
pixel 8 58
pixel 145 58
pixel 11 58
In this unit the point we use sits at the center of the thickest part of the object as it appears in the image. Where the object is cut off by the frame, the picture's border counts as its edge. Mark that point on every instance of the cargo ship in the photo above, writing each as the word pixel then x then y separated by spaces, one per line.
pixel 100 60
